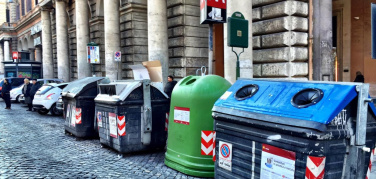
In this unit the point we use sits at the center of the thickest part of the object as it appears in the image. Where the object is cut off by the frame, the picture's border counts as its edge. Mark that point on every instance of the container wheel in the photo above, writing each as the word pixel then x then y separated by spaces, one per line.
pixel 55 111
pixel 43 111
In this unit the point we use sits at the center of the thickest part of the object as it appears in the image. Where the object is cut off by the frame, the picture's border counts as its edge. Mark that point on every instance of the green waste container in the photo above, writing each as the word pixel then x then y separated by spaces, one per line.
pixel 189 148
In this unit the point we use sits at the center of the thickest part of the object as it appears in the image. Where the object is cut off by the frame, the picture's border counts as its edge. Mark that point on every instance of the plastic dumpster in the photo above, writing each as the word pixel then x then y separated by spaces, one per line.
pixel 189 145
pixel 131 115
pixel 78 97
pixel 288 129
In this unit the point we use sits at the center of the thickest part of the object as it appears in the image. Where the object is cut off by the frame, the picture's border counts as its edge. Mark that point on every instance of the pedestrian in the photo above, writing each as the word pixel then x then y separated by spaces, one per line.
pixel 170 85
pixel 5 93
pixel 359 77
pixel 34 88
pixel 26 92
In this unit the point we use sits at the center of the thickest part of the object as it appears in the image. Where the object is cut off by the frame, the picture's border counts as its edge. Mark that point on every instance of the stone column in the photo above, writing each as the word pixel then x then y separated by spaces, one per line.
pixel 157 34
pixel 246 67
pixel 38 54
pixel 48 65
pixel 82 30
pixel 62 41
pixel 6 51
pixel 1 59
pixel 323 68
pixel 32 54
pixel 112 38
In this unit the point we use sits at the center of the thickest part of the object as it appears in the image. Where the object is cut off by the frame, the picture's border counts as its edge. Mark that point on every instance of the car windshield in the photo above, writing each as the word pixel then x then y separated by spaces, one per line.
pixel 44 89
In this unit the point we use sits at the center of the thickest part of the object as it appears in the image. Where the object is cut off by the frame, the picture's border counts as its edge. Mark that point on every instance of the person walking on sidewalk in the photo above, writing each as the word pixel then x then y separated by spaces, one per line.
pixel 5 93
pixel 169 85
pixel 26 92
pixel 34 89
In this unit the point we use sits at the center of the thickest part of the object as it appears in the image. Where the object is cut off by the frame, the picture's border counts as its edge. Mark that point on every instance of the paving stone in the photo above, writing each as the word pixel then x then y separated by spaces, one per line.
pixel 35 146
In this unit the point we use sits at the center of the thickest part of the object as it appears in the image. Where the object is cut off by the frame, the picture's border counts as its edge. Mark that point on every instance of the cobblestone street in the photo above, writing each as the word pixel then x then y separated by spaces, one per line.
pixel 35 146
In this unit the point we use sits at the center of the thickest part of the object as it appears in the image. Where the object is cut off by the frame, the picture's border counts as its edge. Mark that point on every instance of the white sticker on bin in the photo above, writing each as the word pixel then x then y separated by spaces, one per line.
pixel 73 116
pixel 181 115
pixel 112 124
pixel 277 163
pixel 225 155
pixel 226 95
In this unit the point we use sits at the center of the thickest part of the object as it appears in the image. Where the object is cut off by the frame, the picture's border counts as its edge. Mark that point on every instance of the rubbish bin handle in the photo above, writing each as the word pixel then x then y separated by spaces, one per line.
pixel 197 71
pixel 203 70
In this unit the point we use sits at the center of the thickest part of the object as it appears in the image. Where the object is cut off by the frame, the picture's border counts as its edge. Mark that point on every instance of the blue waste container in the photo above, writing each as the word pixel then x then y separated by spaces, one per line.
pixel 290 129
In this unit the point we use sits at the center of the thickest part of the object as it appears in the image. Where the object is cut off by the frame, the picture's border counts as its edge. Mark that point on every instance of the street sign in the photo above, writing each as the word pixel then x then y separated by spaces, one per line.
pixel 117 56
pixel 212 11
pixel 93 53
pixel 15 56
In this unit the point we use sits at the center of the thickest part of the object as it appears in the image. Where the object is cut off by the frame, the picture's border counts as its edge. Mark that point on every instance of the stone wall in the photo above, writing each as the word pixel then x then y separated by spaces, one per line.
pixel 54 45
pixel 280 39
pixel 133 34
pixel 72 40
pixel 188 40
pixel 97 36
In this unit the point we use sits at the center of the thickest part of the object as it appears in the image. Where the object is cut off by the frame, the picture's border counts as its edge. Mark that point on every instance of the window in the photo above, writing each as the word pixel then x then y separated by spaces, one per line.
pixel 18 13
pixel 28 5
pixel 23 7
pixel 36 2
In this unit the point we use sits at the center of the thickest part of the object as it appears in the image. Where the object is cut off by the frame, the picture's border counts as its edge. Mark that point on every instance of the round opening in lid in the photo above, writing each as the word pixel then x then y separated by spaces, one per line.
pixel 246 91
pixel 307 97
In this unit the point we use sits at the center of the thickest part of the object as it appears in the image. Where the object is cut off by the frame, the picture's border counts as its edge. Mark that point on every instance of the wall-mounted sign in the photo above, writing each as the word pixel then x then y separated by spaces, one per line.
pixel 36 28
pixel 37 41
pixel 15 56
pixel 93 53
pixel 212 11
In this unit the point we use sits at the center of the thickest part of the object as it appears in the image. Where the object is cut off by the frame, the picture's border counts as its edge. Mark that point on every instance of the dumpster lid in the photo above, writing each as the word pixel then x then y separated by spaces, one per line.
pixel 120 90
pixel 75 87
pixel 275 99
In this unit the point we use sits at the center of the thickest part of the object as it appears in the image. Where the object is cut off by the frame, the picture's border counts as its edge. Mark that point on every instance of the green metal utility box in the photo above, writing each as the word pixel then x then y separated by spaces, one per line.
pixel 190 130
pixel 237 30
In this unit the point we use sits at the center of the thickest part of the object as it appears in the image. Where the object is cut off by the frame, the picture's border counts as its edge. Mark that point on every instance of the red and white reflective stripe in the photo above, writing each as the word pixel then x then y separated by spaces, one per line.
pixel 121 125
pixel 207 143
pixel 166 122
pixel 214 135
pixel 315 167
pixel 371 158
pixel 78 115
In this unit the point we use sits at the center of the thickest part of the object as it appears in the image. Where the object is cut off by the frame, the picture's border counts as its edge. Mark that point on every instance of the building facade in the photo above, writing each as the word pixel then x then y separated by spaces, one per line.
pixel 288 38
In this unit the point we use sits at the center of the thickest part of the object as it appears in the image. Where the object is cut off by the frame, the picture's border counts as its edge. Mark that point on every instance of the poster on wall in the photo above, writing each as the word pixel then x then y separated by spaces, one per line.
pixel 93 55
pixel 277 163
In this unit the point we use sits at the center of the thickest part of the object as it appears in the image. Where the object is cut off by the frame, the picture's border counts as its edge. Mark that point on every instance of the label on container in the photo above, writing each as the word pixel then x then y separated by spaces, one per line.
pixel 277 163
pixel 67 116
pixel 112 124
pixel 225 155
pixel 181 115
pixel 226 95
pixel 73 116
pixel 99 119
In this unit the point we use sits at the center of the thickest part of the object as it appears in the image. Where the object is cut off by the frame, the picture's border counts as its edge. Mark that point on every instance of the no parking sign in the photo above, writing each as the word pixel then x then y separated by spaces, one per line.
pixel 225 155
pixel 117 56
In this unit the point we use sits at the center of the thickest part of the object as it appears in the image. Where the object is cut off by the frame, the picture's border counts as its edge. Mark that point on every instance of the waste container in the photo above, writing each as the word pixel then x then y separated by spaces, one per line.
pixel 288 129
pixel 189 145
pixel 130 115
pixel 78 98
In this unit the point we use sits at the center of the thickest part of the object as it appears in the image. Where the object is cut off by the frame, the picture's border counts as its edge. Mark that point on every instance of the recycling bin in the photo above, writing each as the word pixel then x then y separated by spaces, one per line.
pixel 78 98
pixel 190 130
pixel 292 129
pixel 131 115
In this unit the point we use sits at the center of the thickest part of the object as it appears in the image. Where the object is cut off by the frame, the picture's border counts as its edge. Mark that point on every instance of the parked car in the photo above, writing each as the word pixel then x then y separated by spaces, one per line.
pixel 15 93
pixel 18 96
pixel 14 82
pixel 46 97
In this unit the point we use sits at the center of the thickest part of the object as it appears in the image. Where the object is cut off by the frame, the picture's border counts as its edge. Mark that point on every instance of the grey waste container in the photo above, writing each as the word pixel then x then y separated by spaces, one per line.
pixel 78 98
pixel 131 115
pixel 288 129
